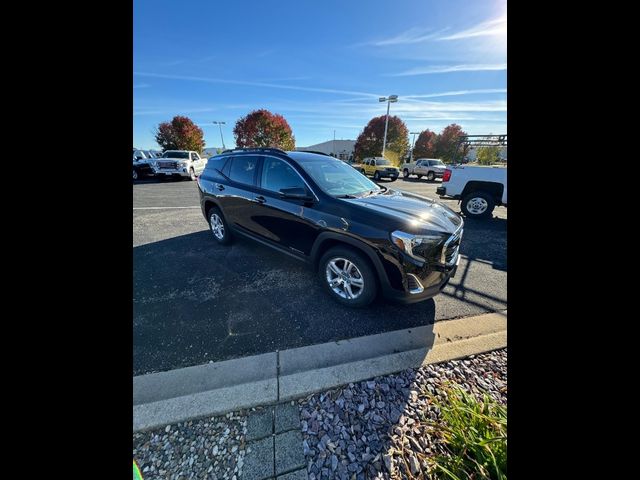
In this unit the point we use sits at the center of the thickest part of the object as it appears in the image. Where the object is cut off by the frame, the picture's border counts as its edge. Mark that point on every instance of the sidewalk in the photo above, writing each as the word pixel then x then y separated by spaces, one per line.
pixel 367 429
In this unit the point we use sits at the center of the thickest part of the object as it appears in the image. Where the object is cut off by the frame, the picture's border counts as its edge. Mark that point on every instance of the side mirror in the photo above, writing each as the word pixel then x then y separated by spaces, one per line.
pixel 295 193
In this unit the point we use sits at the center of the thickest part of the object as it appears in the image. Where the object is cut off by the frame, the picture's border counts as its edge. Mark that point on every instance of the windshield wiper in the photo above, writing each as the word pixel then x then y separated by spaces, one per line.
pixel 346 196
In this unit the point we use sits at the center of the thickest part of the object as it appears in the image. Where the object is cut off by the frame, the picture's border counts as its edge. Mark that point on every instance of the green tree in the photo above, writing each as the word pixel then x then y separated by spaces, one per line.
pixel 447 145
pixel 369 142
pixel 425 146
pixel 261 128
pixel 487 155
pixel 179 134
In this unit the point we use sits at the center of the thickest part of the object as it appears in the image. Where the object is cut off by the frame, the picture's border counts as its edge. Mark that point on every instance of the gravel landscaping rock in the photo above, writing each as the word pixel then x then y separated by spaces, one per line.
pixel 212 447
pixel 376 428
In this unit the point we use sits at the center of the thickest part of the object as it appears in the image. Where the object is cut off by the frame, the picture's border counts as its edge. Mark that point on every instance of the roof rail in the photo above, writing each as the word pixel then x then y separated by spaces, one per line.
pixel 315 151
pixel 257 149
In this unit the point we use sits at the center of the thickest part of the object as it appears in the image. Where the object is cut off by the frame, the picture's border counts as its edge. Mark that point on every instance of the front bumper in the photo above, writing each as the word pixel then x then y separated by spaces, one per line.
pixel 388 174
pixel 436 280
pixel 172 172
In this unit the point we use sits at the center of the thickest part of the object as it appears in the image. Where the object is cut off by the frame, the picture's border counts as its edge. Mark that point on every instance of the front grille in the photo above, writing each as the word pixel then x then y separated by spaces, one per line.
pixel 451 248
pixel 391 170
pixel 172 165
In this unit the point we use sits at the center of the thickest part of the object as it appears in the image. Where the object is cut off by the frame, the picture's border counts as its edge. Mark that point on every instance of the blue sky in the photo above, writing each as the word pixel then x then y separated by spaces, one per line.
pixel 321 64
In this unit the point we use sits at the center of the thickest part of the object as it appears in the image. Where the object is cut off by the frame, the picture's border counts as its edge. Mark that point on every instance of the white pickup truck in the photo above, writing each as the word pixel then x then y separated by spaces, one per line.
pixel 179 163
pixel 480 189
pixel 431 168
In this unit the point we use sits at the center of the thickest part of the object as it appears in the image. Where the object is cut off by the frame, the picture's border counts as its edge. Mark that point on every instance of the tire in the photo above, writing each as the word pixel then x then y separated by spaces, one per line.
pixel 222 236
pixel 192 174
pixel 135 174
pixel 478 204
pixel 363 273
pixel 431 176
pixel 419 177
pixel 376 175
pixel 405 173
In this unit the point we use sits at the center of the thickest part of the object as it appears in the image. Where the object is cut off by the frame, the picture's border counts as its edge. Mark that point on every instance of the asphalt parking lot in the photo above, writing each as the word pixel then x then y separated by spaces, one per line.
pixel 195 301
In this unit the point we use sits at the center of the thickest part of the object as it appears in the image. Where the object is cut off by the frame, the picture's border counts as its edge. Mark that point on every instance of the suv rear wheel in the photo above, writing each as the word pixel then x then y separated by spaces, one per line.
pixel 348 277
pixel 431 176
pixel 405 173
pixel 478 204
pixel 219 227
pixel 192 174
pixel 376 175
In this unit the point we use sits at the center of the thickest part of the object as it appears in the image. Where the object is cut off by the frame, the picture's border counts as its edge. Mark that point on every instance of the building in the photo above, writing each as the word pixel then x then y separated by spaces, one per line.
pixel 342 149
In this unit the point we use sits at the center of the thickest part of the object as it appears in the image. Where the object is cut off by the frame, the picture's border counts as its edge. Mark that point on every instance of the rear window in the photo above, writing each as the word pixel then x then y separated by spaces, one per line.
pixel 243 169
pixel 174 154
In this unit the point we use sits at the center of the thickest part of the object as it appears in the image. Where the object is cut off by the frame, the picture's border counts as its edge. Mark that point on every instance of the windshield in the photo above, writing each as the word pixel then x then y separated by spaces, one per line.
pixel 382 161
pixel 338 178
pixel 174 154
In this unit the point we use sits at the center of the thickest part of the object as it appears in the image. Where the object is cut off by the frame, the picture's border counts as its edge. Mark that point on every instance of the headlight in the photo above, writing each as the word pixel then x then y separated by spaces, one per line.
pixel 408 241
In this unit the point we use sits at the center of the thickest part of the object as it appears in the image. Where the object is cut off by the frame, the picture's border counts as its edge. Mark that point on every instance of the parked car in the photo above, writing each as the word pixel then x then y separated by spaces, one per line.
pixel 431 168
pixel 180 163
pixel 379 167
pixel 360 238
pixel 142 166
pixel 479 188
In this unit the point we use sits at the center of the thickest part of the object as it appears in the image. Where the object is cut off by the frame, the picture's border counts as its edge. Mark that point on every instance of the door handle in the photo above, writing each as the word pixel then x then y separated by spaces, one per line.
pixel 219 186
pixel 260 199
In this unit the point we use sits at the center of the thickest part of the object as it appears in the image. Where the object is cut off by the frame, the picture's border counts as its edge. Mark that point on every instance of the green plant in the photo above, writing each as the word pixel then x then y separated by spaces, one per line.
pixel 474 434
pixel 487 155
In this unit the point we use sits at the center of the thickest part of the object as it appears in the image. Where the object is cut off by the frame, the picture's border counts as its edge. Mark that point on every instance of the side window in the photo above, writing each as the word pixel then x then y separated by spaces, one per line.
pixel 227 167
pixel 194 157
pixel 373 163
pixel 243 169
pixel 277 175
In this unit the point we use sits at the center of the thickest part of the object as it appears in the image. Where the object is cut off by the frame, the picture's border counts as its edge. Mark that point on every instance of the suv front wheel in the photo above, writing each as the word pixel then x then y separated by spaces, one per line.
pixel 347 277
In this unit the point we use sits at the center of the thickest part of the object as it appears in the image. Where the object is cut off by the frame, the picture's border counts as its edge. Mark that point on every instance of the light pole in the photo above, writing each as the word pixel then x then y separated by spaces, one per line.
pixel 390 99
pixel 412 144
pixel 333 147
pixel 220 125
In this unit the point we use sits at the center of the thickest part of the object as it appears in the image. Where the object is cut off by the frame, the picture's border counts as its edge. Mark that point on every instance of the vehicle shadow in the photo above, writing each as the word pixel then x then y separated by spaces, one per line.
pixel 419 180
pixel 195 301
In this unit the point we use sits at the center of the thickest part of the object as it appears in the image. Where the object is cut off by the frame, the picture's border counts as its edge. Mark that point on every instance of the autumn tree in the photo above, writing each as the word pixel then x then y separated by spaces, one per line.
pixel 261 128
pixel 447 143
pixel 371 139
pixel 179 134
pixel 425 146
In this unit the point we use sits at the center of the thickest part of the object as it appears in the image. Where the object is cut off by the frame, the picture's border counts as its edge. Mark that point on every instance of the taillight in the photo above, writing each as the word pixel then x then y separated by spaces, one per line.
pixel 446 176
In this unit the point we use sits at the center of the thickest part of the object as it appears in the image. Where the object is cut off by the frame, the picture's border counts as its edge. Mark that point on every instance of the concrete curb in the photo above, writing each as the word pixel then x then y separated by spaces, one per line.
pixel 217 388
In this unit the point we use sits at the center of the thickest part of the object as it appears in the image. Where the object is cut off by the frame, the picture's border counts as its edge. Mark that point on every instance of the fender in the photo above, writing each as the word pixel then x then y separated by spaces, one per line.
pixel 360 245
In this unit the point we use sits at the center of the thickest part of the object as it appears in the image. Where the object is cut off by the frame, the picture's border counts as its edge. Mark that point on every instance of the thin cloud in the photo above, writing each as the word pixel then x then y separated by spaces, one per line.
pixel 413 35
pixel 497 26
pixel 448 69
pixel 458 92
pixel 255 84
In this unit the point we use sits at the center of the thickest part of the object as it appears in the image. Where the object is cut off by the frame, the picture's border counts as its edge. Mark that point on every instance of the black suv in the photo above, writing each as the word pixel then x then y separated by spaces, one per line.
pixel 360 237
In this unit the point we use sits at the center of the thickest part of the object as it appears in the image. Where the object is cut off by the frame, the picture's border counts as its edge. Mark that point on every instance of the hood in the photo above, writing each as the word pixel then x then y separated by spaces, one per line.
pixel 417 211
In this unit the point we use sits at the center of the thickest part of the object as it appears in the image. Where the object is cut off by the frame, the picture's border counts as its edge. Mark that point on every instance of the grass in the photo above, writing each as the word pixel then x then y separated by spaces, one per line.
pixel 474 434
